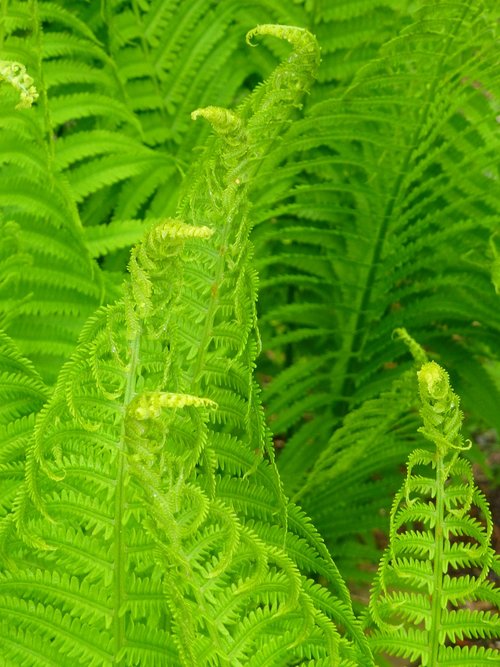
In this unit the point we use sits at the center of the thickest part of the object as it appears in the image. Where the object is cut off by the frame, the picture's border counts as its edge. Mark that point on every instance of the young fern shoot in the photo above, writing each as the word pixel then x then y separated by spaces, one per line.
pixel 433 597
pixel 15 74
pixel 149 528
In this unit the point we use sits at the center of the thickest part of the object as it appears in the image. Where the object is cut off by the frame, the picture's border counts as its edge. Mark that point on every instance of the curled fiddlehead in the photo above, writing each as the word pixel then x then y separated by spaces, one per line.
pixel 16 75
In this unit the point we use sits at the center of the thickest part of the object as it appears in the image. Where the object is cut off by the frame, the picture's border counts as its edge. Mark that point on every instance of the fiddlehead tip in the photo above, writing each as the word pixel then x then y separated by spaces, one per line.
pixel 434 381
pixel 148 405
pixel 440 411
pixel 300 38
pixel 222 120
pixel 15 74
pixel 415 349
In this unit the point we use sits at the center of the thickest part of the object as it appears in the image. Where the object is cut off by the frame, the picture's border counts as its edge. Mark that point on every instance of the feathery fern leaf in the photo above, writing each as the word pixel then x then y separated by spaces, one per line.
pixel 372 257
pixel 166 57
pixel 379 216
pixel 22 395
pixel 359 28
pixel 357 473
pixel 436 569
pixel 152 527
pixel 61 288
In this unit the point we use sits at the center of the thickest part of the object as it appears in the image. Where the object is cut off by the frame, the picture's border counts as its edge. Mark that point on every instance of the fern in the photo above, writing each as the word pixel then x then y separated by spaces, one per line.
pixel 161 74
pixel 145 517
pixel 436 570
pixel 62 286
pixel 150 528
pixel 357 227
pixel 22 395
pixel 379 216
pixel 358 470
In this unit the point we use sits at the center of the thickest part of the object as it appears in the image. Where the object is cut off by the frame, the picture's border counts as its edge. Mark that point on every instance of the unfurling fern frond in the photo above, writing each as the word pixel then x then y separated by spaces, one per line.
pixel 434 597
pixel 16 75
pixel 376 212
pixel 152 528
pixel 381 218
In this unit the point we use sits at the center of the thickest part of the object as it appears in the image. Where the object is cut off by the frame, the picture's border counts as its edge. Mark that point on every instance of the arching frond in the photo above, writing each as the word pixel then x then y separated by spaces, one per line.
pixel 161 60
pixel 379 215
pixel 61 287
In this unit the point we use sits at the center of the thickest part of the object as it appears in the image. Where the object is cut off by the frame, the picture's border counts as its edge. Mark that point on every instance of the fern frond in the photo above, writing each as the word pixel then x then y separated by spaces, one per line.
pixel 22 394
pixel 62 288
pixel 375 213
pixel 161 74
pixel 422 601
pixel 359 469
pixel 360 28
pixel 150 483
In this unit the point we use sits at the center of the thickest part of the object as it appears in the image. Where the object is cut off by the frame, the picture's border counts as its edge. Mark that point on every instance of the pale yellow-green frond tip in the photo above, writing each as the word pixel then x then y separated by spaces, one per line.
pixel 222 120
pixel 15 74
pixel 433 380
pixel 416 350
pixel 291 33
pixel 301 39
pixel 175 229
pixel 149 405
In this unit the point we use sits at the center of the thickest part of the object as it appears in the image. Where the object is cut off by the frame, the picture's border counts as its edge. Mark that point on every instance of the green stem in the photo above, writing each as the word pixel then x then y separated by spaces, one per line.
pixel 436 593
pixel 120 564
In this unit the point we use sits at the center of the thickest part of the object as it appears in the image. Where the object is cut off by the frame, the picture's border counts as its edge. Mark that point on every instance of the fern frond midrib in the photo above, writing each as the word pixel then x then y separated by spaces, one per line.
pixel 119 564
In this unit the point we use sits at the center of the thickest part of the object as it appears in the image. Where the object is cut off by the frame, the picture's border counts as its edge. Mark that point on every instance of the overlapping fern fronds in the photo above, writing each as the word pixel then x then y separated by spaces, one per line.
pixel 352 33
pixel 151 527
pixel 434 598
pixel 106 145
pixel 143 519
pixel 161 59
pixel 380 216
pixel 22 395
pixel 62 286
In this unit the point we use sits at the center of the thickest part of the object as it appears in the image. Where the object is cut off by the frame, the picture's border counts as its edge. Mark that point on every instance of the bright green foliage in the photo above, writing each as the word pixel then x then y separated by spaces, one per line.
pixel 439 566
pixel 382 203
pixel 22 395
pixel 61 287
pixel 145 517
pixel 149 529
pixel 371 437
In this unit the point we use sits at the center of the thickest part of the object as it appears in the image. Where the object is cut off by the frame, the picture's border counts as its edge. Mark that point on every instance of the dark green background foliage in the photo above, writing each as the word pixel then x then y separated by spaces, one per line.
pixel 207 389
